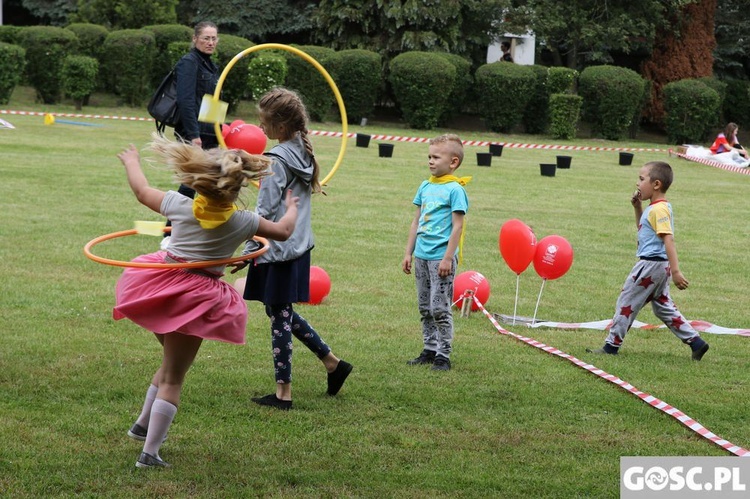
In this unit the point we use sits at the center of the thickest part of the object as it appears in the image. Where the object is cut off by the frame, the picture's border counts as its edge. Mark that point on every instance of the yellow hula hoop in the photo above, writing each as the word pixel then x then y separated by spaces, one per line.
pixel 321 70
pixel 183 265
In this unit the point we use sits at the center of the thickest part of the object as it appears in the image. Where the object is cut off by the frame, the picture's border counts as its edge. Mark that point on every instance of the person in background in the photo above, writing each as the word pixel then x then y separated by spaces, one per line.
pixel 727 142
pixel 505 47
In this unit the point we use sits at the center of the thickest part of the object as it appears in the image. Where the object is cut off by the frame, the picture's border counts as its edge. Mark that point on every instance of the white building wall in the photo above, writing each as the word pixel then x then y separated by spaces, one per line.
pixel 522 49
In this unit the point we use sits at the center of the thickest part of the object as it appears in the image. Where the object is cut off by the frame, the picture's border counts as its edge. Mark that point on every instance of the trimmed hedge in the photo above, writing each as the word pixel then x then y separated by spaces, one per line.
pixel 462 87
pixel 422 84
pixel 737 102
pixel 612 96
pixel 358 77
pixel 12 63
pixel 564 112
pixel 10 34
pixel 46 49
pixel 78 77
pixel 536 114
pixel 164 35
pixel 266 70
pixel 503 92
pixel 690 108
pixel 234 88
pixel 90 39
pixel 561 80
pixel 308 82
pixel 127 67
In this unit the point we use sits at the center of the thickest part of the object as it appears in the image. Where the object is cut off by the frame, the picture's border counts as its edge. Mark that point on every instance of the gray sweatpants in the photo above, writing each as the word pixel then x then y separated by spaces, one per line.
pixel 648 282
pixel 434 295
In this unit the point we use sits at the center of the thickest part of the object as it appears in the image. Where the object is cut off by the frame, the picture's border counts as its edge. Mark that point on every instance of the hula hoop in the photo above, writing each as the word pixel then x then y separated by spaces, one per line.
pixel 321 70
pixel 183 265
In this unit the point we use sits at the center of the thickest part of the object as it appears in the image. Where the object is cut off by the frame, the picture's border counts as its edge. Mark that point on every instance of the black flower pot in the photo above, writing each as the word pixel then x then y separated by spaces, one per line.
pixel 548 169
pixel 626 158
pixel 363 140
pixel 484 159
pixel 385 150
pixel 496 149
pixel 563 162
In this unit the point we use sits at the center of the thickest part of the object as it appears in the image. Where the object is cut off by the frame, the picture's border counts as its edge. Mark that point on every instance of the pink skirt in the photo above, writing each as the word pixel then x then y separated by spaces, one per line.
pixel 168 300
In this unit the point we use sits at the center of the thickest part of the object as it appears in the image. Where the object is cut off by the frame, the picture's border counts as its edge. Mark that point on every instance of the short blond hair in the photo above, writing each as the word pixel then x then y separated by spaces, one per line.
pixel 454 142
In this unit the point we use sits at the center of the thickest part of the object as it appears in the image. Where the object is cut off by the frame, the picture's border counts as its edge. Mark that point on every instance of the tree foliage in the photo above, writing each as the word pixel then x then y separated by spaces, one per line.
pixel 125 14
pixel 390 27
pixel 732 54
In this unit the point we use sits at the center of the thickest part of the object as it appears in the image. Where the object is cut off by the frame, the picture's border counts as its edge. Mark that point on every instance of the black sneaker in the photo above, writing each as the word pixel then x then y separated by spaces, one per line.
pixel 699 348
pixel 272 401
pixel 149 461
pixel 138 432
pixel 606 349
pixel 338 376
pixel 426 357
pixel 441 363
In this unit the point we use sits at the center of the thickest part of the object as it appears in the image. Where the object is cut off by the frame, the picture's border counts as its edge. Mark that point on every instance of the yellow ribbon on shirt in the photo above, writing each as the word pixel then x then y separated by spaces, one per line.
pixel 211 214
pixel 444 179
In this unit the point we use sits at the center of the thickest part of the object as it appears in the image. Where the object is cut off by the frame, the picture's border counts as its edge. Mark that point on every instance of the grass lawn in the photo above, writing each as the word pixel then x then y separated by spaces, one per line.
pixel 507 421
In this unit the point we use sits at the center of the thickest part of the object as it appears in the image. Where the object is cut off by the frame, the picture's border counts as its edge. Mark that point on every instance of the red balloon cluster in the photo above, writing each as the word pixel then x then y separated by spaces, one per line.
pixel 474 281
pixel 552 255
pixel 241 135
pixel 320 285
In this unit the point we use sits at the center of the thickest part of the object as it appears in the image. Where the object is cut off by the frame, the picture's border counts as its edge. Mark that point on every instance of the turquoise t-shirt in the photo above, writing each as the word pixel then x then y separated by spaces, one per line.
pixel 437 203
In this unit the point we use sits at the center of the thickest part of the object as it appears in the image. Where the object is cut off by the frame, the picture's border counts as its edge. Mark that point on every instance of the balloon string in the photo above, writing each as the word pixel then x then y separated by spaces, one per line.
pixel 515 305
pixel 533 321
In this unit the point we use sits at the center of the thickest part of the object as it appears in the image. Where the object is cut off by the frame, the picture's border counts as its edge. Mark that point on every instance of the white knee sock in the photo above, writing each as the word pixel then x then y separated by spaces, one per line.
pixel 146 410
pixel 162 414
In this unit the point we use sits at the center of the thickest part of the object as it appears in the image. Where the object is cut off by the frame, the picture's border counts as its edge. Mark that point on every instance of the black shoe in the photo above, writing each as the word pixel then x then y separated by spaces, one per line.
pixel 426 357
pixel 441 363
pixel 338 376
pixel 138 432
pixel 606 349
pixel 699 348
pixel 272 401
pixel 149 461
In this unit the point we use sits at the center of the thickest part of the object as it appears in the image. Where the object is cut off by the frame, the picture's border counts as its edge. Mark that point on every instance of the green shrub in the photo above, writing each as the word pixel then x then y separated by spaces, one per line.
pixel 12 62
pixel 311 85
pixel 175 52
pixel 461 88
pixel 536 114
pixel 611 97
pixel 503 90
pixel 561 80
pixel 690 108
pixel 737 102
pixel 78 77
pixel 267 70
pixel 128 63
pixel 721 89
pixel 10 34
pixel 422 84
pixel 164 35
pixel 564 112
pixel 234 88
pixel 358 78
pixel 46 49
pixel 90 39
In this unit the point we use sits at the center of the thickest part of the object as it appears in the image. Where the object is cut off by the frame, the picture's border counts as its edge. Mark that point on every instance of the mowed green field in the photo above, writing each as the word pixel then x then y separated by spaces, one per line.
pixel 507 421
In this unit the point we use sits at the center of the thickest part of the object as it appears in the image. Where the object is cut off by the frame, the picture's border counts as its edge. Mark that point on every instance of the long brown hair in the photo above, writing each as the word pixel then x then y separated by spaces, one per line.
pixel 284 108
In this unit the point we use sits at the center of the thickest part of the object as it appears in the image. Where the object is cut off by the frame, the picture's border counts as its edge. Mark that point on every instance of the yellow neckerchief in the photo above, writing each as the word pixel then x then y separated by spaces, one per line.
pixel 444 179
pixel 211 214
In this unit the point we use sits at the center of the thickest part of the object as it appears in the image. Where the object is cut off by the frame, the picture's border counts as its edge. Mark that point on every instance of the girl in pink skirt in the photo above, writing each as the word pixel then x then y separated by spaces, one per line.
pixel 182 307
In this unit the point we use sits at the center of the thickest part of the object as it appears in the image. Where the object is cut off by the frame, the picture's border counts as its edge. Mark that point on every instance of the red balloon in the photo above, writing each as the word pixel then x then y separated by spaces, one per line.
pixel 320 285
pixel 553 257
pixel 474 281
pixel 247 137
pixel 517 244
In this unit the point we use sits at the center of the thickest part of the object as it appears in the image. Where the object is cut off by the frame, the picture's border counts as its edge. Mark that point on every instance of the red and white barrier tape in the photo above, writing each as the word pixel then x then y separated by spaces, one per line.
pixel 389 138
pixel 715 164
pixel 603 325
pixel 645 397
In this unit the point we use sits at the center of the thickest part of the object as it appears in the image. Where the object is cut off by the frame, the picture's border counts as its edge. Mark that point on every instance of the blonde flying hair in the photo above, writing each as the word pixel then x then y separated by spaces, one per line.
pixel 284 108
pixel 218 174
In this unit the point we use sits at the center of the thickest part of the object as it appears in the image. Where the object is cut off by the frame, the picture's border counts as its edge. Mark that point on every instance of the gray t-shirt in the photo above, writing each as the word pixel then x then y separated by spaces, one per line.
pixel 193 243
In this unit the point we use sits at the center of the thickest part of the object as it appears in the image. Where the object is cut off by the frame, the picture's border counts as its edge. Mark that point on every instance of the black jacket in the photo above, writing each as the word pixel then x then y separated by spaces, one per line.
pixel 197 75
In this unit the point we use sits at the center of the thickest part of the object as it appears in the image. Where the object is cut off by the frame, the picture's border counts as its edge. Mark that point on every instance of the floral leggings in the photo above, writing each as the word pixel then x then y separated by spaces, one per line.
pixel 285 322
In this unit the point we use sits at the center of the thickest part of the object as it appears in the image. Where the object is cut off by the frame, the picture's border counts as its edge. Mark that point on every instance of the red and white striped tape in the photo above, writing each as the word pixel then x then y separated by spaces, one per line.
pixel 603 325
pixel 709 162
pixel 388 138
pixel 645 397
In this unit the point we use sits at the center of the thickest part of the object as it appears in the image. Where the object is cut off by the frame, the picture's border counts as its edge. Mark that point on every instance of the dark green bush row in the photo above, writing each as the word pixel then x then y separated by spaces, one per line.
pixel 691 108
pixel 78 77
pixel 612 97
pixel 503 92
pixel 12 62
pixel 564 111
